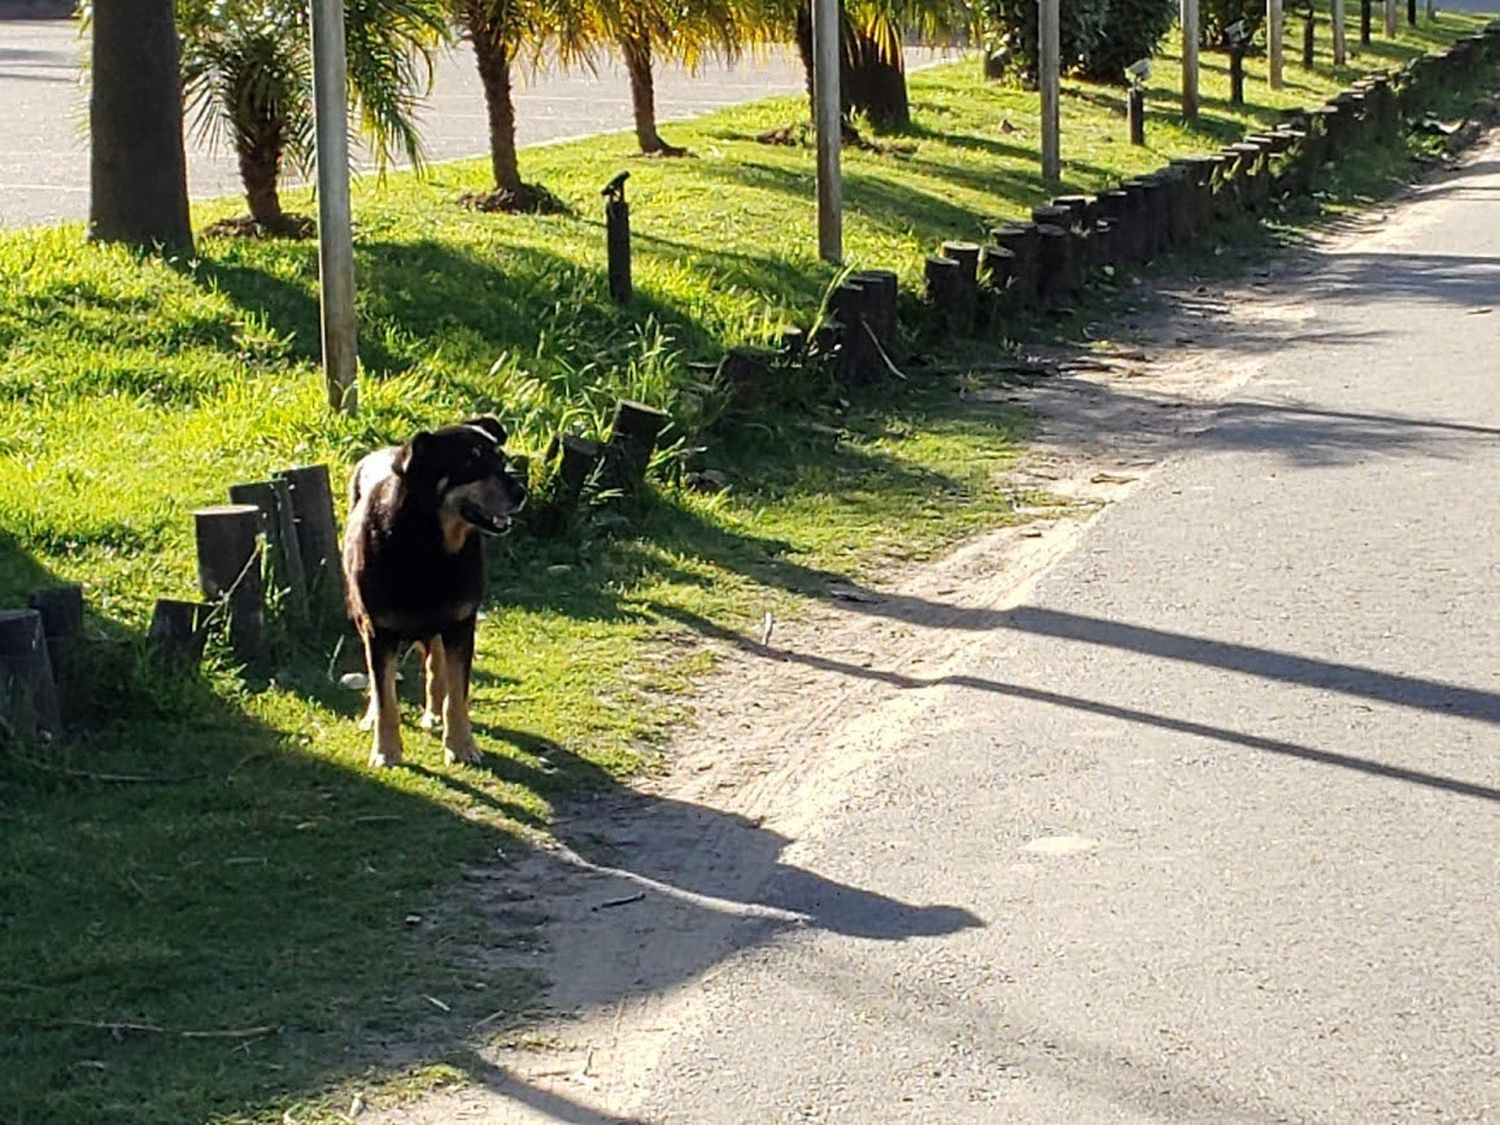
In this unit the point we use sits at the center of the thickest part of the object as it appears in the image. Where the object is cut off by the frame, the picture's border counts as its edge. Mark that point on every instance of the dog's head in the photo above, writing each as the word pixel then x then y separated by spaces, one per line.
pixel 464 469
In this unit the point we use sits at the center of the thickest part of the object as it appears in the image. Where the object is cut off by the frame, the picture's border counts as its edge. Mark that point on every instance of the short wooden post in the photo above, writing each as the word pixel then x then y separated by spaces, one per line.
pixel 1135 114
pixel 944 288
pixel 177 631
pixel 632 441
pixel 229 560
pixel 617 238
pixel 28 694
pixel 1237 75
pixel 61 608
pixel 578 457
pixel 278 524
pixel 966 254
pixel 857 362
pixel 1054 262
pixel 744 373
pixel 1309 26
pixel 1365 10
pixel 317 537
pixel 1021 240
pixel 996 268
pixel 881 309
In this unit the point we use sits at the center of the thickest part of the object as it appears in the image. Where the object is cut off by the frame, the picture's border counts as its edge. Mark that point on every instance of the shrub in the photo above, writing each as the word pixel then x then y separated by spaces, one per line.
pixel 1098 38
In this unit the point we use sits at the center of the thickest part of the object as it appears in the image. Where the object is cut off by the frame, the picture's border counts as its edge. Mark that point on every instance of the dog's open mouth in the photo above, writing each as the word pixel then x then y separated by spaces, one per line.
pixel 487 522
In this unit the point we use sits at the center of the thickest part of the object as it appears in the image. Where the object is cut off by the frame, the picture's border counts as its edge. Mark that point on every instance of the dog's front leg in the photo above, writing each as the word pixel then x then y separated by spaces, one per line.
pixel 437 683
pixel 380 655
pixel 458 737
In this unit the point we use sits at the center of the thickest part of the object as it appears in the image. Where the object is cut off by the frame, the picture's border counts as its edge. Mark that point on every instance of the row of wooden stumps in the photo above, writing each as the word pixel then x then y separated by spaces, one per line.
pixel 614 465
pixel 1042 263
pixel 276 536
pixel 39 659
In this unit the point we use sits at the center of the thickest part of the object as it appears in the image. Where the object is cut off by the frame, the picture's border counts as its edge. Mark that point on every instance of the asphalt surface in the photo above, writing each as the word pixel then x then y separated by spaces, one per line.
pixel 1205 829
pixel 44 167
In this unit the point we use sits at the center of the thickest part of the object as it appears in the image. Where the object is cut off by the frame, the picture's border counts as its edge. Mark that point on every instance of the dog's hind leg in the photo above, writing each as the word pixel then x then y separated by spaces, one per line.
pixel 380 654
pixel 458 737
pixel 437 683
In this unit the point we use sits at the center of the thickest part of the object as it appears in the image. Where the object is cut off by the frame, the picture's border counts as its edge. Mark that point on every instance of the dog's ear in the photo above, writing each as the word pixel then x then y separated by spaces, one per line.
pixel 414 452
pixel 490 425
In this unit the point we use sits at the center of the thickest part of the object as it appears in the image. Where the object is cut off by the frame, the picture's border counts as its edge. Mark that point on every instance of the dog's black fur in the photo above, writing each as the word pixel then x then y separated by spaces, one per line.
pixel 415 569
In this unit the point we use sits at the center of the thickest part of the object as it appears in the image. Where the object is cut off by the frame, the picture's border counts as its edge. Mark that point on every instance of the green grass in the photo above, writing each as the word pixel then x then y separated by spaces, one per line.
pixel 267 878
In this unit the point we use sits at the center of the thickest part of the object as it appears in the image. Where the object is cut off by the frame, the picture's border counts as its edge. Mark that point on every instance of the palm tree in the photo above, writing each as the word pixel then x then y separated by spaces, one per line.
pixel 247 76
pixel 872 66
pixel 504 33
pixel 683 30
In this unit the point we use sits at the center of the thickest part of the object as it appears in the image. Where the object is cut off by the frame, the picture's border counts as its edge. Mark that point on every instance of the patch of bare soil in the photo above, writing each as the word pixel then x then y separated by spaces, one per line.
pixel 290 225
pixel 642 896
pixel 532 199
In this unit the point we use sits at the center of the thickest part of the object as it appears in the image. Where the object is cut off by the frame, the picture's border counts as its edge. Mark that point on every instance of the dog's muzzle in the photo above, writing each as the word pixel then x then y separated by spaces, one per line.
pixel 487 522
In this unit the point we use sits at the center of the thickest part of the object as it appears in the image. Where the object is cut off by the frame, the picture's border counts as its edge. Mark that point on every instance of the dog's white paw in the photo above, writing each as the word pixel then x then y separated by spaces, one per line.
pixel 430 720
pixel 385 752
pixel 461 750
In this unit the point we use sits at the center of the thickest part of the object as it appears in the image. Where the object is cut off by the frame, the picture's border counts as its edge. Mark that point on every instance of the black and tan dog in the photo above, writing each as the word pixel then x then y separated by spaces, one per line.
pixel 415 569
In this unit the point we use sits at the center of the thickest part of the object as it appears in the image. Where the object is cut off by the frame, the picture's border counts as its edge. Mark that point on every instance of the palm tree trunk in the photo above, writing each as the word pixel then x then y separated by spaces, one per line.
pixel 636 50
pixel 260 171
pixel 874 84
pixel 137 167
pixel 805 50
pixel 492 54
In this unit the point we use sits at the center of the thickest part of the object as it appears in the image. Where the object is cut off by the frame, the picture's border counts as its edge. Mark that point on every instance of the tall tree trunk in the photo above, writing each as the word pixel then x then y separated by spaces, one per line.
pixel 492 53
pixel 137 168
pixel 260 172
pixel 872 83
pixel 805 50
pixel 635 48
pixel 868 82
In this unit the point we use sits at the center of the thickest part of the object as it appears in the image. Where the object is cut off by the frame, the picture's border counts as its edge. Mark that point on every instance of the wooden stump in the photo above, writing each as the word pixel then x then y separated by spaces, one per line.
pixel 744 373
pixel 1143 221
pixel 966 254
pixel 229 560
pixel 28 694
pixel 857 363
pixel 1082 210
pixel 1022 242
pixel 617 244
pixel 881 309
pixel 1114 209
pixel 279 526
pixel 1135 115
pixel 1054 260
pixel 632 441
pixel 317 537
pixel 945 294
pixel 178 630
pixel 61 609
pixel 1052 215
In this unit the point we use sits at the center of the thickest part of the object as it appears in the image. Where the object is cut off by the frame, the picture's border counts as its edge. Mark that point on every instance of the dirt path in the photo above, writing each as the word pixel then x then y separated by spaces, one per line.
pixel 659 891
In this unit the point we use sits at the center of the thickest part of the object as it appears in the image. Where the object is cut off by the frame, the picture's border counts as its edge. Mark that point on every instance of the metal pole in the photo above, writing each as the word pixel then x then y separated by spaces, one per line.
pixel 825 21
pixel 335 234
pixel 1190 59
pixel 1275 34
pixel 1340 53
pixel 1051 82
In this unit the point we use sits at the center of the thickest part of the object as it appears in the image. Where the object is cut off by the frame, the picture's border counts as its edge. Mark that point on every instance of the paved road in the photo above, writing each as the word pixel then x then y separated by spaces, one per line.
pixel 1201 824
pixel 1224 791
pixel 44 169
